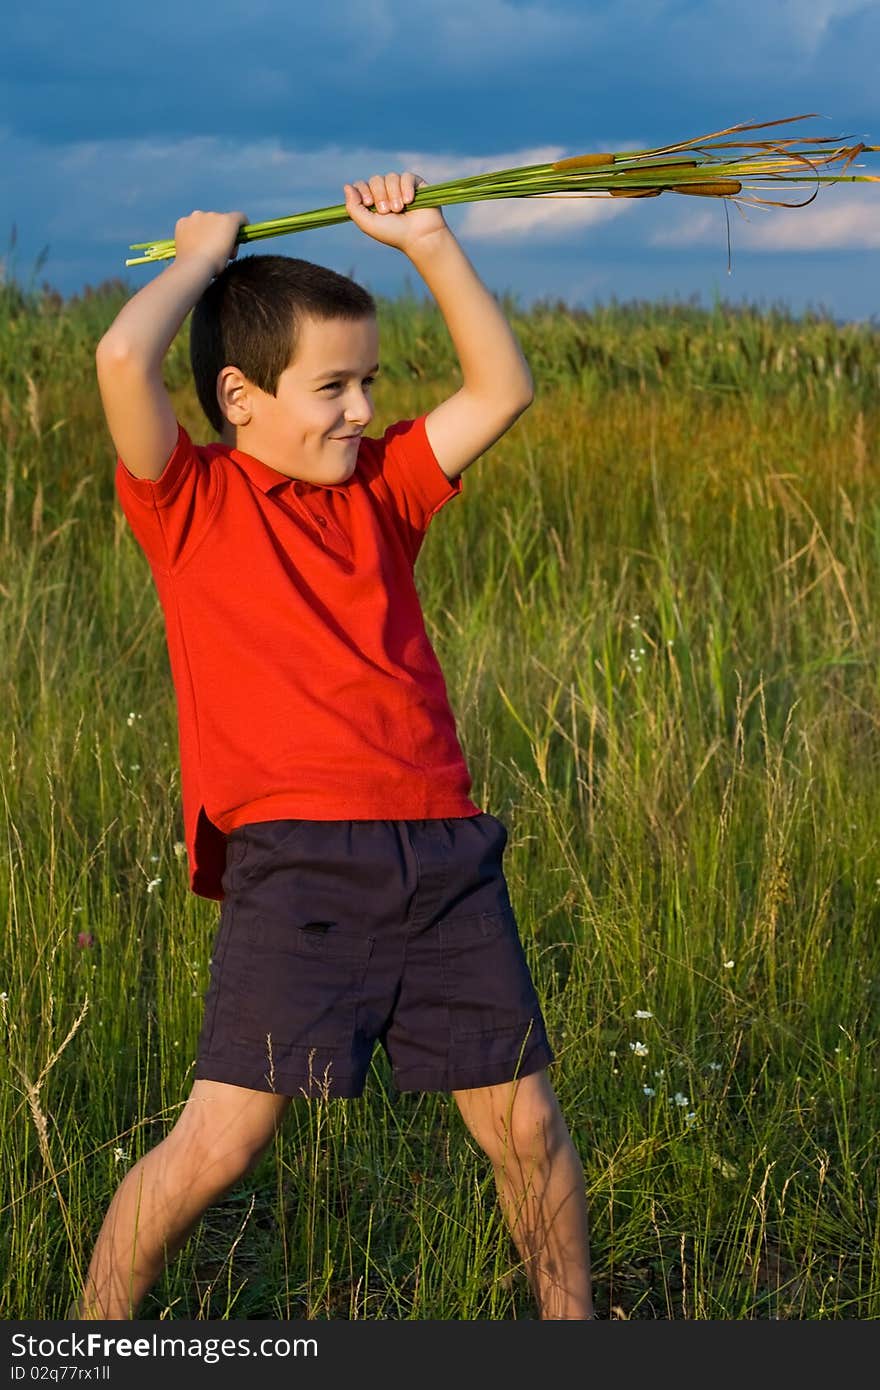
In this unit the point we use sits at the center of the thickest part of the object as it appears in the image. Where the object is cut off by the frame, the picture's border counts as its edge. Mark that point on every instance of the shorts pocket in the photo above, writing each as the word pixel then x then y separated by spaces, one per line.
pixel 486 978
pixel 302 982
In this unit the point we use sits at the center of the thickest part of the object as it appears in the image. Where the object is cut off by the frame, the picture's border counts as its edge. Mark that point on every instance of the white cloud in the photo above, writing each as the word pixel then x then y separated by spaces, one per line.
pixel 842 223
pixel 128 180
pixel 546 216
pixel 699 230
pixel 849 226
pixel 94 198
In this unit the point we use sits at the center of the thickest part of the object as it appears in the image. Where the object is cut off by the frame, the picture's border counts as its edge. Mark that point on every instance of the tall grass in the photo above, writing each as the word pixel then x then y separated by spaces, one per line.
pixel 656 609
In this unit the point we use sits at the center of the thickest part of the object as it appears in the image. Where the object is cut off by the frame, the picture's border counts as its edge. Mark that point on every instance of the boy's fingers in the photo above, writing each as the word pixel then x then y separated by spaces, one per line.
pixel 355 200
pixel 387 192
pixel 380 197
pixel 410 183
pixel 212 232
pixel 359 209
pixel 393 193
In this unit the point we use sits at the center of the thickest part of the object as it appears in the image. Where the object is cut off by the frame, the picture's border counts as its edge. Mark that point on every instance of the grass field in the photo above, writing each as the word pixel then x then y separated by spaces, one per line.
pixel 656 607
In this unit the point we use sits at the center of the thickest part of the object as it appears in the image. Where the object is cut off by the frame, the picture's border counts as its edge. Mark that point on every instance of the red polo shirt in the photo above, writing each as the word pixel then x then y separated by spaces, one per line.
pixel 306 685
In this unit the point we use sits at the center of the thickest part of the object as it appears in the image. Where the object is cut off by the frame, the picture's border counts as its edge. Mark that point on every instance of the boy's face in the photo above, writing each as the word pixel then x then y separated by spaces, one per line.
pixel 310 429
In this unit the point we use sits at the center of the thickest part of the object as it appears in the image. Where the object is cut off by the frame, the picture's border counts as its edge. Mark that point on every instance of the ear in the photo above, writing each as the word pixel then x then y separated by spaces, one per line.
pixel 234 396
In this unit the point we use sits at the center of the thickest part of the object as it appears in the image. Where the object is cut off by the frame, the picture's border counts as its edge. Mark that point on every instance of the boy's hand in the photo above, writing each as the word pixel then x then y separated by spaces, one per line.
pixel 208 236
pixel 389 194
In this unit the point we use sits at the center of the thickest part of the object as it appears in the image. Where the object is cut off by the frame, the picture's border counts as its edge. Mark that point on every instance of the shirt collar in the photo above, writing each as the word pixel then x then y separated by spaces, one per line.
pixel 266 478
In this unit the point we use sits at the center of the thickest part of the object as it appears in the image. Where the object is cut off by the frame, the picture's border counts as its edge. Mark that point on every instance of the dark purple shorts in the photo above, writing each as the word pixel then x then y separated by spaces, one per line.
pixel 337 934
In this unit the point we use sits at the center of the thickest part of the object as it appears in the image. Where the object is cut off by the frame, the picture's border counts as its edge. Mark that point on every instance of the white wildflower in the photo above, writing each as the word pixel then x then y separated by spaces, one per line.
pixel 639 1048
pixel 648 1091
pixel 153 883
pixel 681 1099
pixel 643 1013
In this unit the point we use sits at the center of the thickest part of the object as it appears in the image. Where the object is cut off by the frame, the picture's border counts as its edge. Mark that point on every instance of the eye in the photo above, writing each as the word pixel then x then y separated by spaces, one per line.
pixel 337 385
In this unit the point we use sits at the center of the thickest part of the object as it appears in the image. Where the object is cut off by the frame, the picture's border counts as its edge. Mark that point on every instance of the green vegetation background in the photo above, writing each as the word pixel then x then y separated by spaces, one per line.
pixel 656 607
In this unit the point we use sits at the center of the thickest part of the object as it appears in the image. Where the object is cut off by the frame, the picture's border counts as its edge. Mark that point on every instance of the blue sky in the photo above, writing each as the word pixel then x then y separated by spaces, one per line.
pixel 115 121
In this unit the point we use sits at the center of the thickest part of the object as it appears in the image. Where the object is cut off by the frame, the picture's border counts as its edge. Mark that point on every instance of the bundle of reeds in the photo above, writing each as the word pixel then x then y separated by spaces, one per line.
pixel 708 166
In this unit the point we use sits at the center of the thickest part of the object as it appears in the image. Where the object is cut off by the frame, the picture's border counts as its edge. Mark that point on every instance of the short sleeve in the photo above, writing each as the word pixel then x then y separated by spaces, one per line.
pixel 404 472
pixel 169 515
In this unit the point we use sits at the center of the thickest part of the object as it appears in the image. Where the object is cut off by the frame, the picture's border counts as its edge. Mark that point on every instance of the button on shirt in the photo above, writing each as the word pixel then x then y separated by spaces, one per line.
pixel 306 685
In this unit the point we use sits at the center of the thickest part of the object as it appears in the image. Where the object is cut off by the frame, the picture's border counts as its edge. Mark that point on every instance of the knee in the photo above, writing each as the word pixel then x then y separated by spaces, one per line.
pixel 528 1135
pixel 214 1161
pixel 215 1151
pixel 531 1138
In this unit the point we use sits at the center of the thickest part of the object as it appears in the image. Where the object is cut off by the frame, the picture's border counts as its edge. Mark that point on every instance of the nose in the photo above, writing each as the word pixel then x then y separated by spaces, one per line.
pixel 358 407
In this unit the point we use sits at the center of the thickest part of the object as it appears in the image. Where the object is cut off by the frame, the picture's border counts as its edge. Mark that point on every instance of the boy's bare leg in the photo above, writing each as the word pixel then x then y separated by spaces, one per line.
pixel 541 1187
pixel 221 1132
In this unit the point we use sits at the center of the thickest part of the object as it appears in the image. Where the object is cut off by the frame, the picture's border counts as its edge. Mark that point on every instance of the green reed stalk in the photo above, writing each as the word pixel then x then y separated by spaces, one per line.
pixel 629 173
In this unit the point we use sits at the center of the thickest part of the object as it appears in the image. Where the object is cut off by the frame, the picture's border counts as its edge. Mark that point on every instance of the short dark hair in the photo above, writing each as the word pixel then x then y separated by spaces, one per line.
pixel 250 316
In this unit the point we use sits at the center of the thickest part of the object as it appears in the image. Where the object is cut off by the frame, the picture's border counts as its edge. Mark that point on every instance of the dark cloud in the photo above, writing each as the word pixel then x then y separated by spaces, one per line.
pixel 436 73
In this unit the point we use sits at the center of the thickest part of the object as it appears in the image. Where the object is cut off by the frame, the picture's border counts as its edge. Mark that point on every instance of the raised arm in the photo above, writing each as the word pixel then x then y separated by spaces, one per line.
pixel 129 357
pixel 496 382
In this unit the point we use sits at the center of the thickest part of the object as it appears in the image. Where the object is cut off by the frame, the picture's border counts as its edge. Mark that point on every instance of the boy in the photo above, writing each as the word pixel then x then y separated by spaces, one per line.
pixel 325 793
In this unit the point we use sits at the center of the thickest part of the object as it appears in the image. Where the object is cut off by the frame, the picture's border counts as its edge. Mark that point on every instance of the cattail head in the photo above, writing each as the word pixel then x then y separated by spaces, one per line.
pixel 720 188
pixel 582 161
